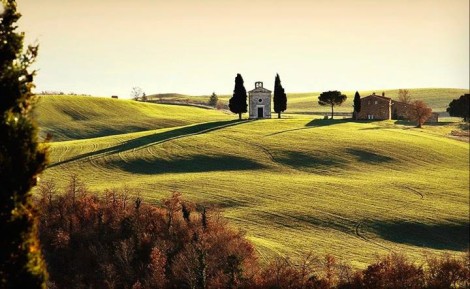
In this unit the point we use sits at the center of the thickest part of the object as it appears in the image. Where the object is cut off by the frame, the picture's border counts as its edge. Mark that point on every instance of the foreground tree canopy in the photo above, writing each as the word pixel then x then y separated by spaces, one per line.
pixel 21 159
pixel 237 103
pixel 331 98
pixel 460 107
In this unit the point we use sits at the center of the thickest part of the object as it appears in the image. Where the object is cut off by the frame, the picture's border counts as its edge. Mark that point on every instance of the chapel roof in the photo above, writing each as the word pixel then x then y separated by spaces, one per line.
pixel 259 89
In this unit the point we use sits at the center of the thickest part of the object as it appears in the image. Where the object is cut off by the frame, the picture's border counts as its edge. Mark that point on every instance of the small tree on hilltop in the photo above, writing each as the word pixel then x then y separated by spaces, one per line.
pixel 331 98
pixel 213 100
pixel 21 159
pixel 420 112
pixel 136 93
pixel 357 104
pixel 237 103
pixel 460 107
pixel 404 96
pixel 280 98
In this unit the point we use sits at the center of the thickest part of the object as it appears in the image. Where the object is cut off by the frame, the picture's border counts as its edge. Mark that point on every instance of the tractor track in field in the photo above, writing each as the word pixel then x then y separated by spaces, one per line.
pixel 414 191
pixel 265 150
pixel 91 158
pixel 357 227
pixel 63 154
pixel 357 231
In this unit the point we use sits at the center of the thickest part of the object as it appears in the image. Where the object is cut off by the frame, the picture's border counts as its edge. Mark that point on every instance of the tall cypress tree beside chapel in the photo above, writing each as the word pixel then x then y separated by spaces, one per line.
pixel 280 98
pixel 237 103
pixel 357 104
pixel 21 159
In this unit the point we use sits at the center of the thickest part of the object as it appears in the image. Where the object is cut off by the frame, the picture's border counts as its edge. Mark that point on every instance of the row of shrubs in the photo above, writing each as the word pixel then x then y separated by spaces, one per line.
pixel 116 241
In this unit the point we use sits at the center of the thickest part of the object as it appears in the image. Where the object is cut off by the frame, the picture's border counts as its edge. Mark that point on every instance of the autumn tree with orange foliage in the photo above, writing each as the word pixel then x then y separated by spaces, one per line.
pixel 420 112
pixel 116 242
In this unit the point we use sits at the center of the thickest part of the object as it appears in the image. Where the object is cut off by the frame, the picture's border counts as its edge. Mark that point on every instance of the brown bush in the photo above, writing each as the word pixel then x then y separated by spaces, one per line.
pixel 447 272
pixel 116 242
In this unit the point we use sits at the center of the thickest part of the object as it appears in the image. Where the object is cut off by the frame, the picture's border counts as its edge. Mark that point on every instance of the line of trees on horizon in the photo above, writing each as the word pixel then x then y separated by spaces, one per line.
pixel 419 111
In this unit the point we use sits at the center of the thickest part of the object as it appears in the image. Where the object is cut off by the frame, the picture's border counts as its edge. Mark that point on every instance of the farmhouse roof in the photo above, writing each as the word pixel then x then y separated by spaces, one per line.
pixel 378 96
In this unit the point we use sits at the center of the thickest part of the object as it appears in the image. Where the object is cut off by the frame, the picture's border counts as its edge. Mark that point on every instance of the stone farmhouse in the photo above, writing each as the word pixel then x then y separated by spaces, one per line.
pixel 259 100
pixel 380 107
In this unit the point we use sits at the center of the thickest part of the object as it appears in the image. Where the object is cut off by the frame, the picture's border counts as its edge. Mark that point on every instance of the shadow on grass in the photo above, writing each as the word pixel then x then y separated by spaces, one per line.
pixel 325 122
pixel 454 236
pixel 194 164
pixel 368 157
pixel 75 115
pixel 464 126
pixel 307 162
pixel 405 123
pixel 153 139
pixel 64 134
pixel 314 123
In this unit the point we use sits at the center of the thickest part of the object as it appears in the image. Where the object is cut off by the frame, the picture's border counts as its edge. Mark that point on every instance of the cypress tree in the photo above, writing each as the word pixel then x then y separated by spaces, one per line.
pixel 21 159
pixel 213 99
pixel 280 98
pixel 237 103
pixel 357 104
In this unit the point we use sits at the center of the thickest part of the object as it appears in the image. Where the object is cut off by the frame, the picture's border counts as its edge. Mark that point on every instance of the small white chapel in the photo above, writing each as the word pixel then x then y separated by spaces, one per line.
pixel 260 101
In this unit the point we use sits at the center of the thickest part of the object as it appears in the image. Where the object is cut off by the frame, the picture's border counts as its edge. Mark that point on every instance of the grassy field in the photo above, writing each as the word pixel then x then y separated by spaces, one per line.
pixel 294 185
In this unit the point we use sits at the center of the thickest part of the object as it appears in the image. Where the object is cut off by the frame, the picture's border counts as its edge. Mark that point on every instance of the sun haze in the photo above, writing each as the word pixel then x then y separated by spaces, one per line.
pixel 197 47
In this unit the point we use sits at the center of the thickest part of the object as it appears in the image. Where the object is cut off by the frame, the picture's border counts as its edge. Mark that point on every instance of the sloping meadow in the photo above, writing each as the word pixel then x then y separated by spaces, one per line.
pixel 353 190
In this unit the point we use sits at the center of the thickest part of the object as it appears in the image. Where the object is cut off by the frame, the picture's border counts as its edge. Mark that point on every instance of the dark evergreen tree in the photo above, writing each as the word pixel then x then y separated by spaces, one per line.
pixel 460 107
pixel 357 104
pixel 331 98
pixel 280 98
pixel 21 160
pixel 213 99
pixel 237 103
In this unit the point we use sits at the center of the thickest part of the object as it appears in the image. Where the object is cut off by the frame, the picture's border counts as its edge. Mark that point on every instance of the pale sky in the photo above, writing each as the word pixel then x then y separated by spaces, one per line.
pixel 105 47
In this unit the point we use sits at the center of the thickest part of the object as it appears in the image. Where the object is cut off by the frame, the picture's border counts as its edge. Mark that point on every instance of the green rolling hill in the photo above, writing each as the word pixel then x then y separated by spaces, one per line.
pixel 294 185
pixel 83 117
